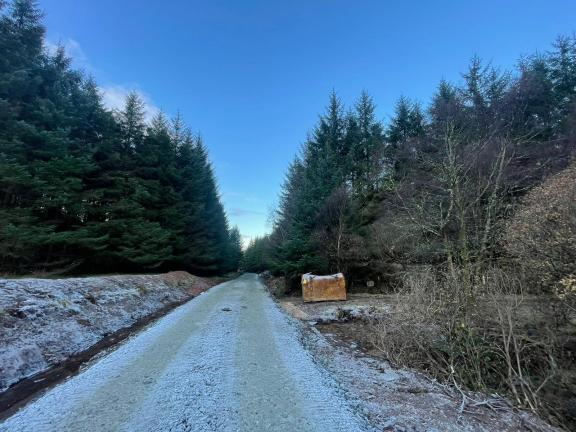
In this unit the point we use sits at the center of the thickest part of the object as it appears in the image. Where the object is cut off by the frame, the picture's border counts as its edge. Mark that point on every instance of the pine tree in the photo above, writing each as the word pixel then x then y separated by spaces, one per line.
pixel 562 63
pixel 257 257
pixel 292 232
pixel 483 95
pixel 325 153
pixel 408 122
pixel 446 108
pixel 367 145
pixel 234 250
pixel 530 103
pixel 132 124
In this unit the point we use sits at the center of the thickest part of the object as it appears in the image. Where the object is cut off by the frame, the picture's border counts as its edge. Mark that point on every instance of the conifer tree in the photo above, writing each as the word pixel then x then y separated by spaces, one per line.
pixel 562 63
pixel 408 122
pixel 367 143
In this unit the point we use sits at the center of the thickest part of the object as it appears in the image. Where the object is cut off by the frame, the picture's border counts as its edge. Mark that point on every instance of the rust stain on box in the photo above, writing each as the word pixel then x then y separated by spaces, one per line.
pixel 323 288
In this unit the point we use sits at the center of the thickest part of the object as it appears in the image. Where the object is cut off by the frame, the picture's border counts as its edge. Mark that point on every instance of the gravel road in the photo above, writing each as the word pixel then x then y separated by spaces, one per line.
pixel 230 360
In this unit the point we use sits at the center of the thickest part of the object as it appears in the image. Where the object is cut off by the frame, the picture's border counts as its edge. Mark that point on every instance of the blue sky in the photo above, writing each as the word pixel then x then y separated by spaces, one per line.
pixel 253 75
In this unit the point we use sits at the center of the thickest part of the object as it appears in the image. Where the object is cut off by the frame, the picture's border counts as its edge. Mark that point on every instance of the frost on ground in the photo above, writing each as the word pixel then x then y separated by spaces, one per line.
pixel 357 307
pixel 45 321
pixel 397 399
pixel 229 360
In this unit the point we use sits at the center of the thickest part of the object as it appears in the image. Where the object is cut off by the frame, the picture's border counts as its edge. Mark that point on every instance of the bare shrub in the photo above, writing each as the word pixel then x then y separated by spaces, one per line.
pixel 429 316
pixel 529 359
pixel 566 293
pixel 485 346
pixel 394 241
pixel 277 286
pixel 406 336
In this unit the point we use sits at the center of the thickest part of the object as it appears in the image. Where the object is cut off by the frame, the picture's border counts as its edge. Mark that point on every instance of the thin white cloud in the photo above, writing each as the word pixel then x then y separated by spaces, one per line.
pixel 114 95
pixel 251 199
pixel 72 49
pixel 239 212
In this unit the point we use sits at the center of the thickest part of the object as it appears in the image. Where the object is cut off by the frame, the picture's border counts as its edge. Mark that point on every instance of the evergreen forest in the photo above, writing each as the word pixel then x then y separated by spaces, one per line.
pixel 84 189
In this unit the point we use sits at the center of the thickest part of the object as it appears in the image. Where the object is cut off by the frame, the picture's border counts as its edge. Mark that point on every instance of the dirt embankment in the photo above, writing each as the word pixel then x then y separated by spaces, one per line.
pixel 46 322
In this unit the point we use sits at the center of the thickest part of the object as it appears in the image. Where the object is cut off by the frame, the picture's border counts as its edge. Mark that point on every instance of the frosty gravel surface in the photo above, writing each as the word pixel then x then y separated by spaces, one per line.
pixel 229 360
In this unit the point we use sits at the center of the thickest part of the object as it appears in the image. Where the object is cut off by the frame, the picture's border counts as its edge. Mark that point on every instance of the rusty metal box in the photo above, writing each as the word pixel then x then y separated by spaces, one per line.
pixel 323 288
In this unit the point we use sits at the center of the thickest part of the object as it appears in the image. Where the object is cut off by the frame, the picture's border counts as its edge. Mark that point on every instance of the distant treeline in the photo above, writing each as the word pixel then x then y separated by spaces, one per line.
pixel 85 189
pixel 433 185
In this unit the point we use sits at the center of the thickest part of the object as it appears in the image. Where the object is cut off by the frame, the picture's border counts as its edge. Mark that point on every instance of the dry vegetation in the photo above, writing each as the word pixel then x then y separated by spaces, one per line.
pixel 508 329
pixel 542 235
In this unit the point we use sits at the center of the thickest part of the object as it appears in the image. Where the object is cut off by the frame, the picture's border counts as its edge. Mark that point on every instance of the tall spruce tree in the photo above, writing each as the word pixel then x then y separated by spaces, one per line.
pixel 367 145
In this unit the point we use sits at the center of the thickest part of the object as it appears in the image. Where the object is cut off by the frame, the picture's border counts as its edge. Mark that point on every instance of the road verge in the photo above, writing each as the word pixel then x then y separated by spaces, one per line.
pixel 50 327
